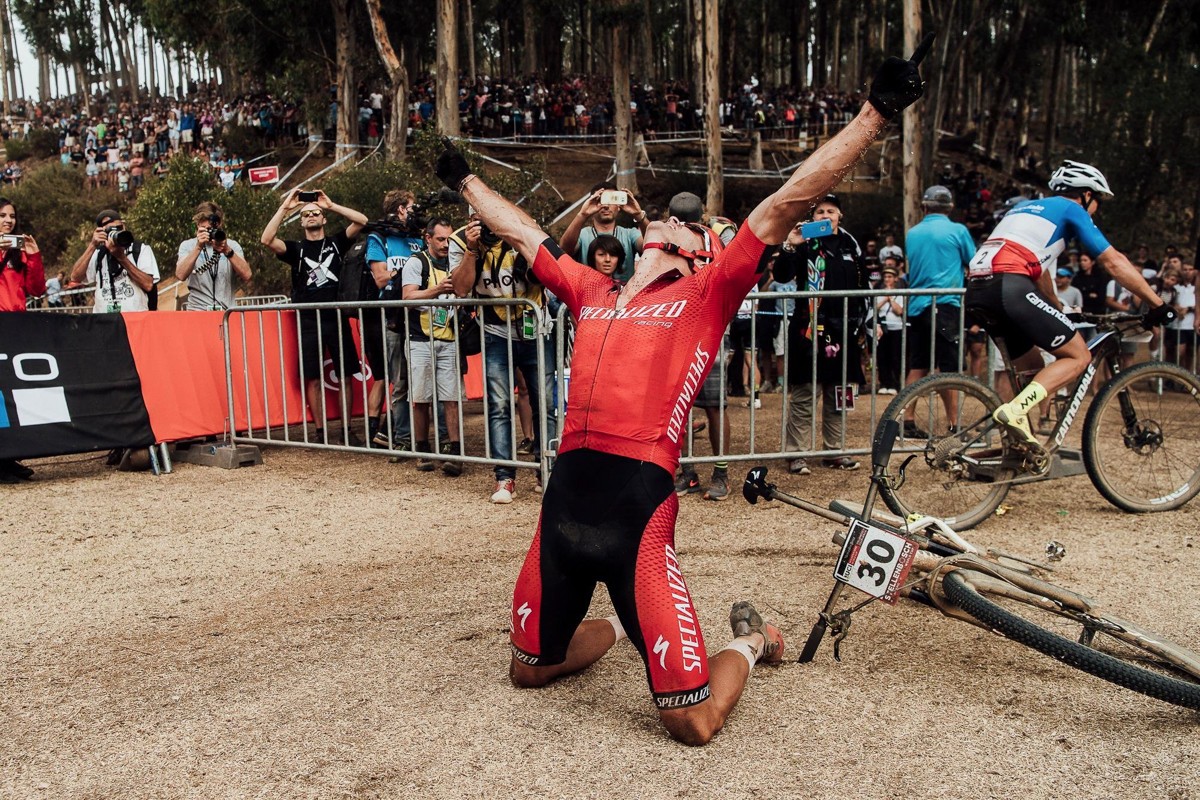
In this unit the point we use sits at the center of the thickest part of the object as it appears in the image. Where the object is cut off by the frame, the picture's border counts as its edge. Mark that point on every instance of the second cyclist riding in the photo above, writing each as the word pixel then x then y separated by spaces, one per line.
pixel 1140 437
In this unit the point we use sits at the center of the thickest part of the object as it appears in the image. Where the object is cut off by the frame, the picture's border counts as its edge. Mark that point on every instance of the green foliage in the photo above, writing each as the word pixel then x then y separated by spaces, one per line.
pixel 242 140
pixel 17 149
pixel 52 205
pixel 44 143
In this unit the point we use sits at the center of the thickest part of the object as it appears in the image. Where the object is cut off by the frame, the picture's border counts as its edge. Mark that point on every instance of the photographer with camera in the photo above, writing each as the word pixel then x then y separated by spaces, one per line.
pixel 209 260
pixel 484 264
pixel 123 269
pixel 316 266
pixel 22 276
pixel 390 242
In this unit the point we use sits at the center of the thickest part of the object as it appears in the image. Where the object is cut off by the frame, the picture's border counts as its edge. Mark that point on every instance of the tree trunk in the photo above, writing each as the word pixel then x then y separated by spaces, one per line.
pixel 835 47
pixel 4 63
pixel 395 135
pixel 44 86
pixel 646 37
pixel 347 113
pixel 447 69
pixel 715 202
pixel 626 158
pixel 1051 106
pixel 468 42
pixel 913 145
pixel 697 41
pixel 529 30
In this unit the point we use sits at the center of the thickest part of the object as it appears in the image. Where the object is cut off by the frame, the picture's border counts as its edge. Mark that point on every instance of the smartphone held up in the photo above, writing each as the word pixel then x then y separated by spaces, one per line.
pixel 614 197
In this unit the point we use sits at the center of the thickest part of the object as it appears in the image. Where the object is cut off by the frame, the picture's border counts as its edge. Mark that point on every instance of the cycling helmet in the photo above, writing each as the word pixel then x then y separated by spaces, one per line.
pixel 937 197
pixel 1075 175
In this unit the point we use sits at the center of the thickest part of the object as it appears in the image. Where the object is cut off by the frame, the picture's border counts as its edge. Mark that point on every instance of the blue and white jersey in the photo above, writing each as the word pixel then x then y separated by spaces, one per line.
pixel 1034 234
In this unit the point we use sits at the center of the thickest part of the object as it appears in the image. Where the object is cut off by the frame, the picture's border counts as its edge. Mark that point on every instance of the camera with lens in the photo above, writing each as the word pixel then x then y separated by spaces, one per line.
pixel 487 237
pixel 119 236
pixel 12 241
pixel 215 232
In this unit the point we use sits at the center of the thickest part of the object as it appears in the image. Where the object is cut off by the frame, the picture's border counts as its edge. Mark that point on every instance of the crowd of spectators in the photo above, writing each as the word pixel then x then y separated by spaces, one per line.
pixel 116 142
pixel 582 105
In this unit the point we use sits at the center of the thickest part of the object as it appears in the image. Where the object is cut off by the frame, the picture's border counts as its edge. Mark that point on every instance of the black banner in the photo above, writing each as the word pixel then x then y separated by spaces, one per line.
pixel 68 384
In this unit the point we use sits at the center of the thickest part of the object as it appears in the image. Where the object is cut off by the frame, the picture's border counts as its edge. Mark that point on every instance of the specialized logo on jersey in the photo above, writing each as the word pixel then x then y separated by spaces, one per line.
pixel 653 311
pixel 660 649
pixel 523 612
pixel 691 384
pixel 682 700
pixel 689 633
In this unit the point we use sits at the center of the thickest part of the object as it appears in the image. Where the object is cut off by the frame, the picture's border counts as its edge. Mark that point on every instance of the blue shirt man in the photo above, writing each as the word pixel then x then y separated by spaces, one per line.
pixel 938 253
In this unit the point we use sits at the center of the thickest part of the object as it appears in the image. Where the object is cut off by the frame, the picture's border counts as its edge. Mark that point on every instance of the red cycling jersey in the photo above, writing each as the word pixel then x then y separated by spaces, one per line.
pixel 636 371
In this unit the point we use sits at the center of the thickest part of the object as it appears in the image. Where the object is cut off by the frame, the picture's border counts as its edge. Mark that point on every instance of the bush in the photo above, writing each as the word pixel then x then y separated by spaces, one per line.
pixel 17 149
pixel 44 143
pixel 52 205
pixel 242 140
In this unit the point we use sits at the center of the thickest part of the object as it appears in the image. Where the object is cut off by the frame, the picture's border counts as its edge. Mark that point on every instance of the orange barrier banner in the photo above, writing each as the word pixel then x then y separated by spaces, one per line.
pixel 180 359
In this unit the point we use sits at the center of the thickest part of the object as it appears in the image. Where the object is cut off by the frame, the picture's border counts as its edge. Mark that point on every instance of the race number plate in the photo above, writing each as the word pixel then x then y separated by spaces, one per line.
pixel 875 561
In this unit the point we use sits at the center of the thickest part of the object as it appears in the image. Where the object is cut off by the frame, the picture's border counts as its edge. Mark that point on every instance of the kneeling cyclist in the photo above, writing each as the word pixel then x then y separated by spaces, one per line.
pixel 1010 288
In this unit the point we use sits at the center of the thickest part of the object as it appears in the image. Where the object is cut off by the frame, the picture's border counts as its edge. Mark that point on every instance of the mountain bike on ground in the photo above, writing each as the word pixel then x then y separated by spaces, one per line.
pixel 1140 437
pixel 887 557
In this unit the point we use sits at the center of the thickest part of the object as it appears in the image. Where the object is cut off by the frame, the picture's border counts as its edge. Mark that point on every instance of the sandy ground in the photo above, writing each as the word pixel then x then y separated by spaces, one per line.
pixel 328 625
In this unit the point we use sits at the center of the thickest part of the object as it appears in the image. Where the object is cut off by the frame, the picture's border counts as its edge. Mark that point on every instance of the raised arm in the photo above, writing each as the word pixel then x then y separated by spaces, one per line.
pixel 897 85
pixel 506 219
pixel 269 237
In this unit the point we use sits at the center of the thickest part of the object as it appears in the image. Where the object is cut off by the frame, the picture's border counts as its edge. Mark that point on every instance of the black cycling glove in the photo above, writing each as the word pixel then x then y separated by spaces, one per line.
pixel 1159 315
pixel 451 167
pixel 898 84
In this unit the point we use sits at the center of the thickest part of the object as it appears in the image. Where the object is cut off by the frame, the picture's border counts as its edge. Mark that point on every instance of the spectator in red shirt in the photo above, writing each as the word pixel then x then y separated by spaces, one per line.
pixel 21 276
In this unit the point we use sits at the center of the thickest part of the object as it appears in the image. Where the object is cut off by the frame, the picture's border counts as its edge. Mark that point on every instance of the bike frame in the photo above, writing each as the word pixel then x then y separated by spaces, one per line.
pixel 1105 348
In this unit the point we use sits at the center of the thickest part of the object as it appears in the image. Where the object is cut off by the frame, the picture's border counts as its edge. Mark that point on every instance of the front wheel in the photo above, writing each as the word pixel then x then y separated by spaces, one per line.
pixel 1097 644
pixel 957 461
pixel 1141 439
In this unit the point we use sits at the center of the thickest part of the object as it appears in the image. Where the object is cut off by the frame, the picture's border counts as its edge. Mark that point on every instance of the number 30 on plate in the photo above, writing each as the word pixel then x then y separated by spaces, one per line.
pixel 875 561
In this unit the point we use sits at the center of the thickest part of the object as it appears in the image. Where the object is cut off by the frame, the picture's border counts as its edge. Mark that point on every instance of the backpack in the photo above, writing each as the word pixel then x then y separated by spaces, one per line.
pixel 355 282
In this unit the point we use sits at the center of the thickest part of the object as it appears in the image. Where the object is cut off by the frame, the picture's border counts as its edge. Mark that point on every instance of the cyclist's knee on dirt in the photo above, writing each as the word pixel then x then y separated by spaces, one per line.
pixel 524 676
pixel 693 726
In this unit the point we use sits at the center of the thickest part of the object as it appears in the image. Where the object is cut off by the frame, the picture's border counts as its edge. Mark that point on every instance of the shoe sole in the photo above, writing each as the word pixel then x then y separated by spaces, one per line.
pixel 688 490
pixel 717 498
pixel 842 467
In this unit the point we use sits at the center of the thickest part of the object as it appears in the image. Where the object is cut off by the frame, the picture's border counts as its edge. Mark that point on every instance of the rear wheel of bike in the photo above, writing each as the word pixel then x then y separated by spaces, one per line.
pixel 1141 439
pixel 1104 646
pixel 953 472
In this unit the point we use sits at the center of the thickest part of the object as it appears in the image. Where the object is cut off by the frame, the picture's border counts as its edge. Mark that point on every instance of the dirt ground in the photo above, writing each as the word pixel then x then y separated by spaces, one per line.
pixel 331 625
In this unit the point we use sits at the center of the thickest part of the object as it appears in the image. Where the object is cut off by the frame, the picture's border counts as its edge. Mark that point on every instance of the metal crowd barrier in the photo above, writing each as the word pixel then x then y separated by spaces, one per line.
pixel 261 427
pixel 553 375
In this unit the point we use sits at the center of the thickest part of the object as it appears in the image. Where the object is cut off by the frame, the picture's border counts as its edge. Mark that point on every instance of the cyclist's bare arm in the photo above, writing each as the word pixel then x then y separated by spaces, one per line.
pixel 1125 273
pixel 774 217
pixel 507 220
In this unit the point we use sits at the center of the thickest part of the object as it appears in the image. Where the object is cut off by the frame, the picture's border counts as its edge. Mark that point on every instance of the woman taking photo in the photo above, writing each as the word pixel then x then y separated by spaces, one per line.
pixel 21 276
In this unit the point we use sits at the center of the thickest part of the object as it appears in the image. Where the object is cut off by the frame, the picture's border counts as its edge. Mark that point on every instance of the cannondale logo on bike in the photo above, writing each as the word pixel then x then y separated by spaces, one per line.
pixel 1076 401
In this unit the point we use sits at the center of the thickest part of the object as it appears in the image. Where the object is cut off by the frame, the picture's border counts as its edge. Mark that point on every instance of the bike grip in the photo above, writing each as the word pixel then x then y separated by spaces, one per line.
pixel 922 49
pixel 885 440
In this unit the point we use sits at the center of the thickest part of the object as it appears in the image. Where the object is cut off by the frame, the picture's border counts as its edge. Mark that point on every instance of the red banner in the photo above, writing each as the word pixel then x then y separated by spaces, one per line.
pixel 261 175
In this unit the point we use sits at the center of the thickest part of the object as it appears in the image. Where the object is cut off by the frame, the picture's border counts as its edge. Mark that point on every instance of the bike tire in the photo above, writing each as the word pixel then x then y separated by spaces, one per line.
pixel 1154 465
pixel 936 482
pixel 1027 624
